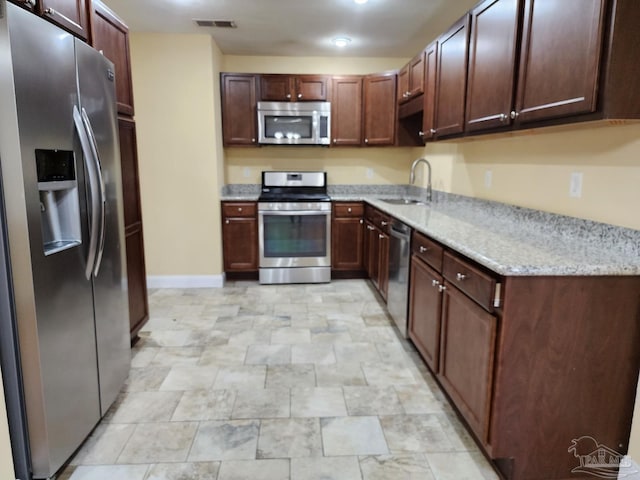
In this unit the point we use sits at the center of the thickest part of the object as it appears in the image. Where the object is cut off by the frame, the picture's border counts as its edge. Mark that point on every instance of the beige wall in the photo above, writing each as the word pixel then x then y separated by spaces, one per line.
pixel 6 460
pixel 179 145
pixel 533 170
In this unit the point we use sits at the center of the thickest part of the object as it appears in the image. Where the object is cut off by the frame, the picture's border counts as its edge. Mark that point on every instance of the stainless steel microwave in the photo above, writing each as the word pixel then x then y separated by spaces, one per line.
pixel 294 123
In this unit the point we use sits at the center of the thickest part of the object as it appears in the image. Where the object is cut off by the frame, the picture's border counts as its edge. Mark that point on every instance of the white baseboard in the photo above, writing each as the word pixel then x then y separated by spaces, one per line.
pixel 185 281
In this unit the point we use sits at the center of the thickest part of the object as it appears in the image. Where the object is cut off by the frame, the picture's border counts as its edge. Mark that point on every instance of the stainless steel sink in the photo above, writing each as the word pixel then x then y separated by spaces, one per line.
pixel 402 201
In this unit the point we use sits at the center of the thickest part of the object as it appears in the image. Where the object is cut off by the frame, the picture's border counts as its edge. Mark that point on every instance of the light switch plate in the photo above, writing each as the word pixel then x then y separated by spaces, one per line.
pixel 488 179
pixel 575 185
pixel 369 172
pixel 246 172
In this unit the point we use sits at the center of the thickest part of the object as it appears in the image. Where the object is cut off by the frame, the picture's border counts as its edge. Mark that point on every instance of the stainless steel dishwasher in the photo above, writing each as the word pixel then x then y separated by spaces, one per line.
pixel 398 289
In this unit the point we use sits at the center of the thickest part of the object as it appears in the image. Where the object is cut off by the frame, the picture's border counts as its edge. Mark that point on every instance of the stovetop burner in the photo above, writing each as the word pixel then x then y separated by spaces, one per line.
pixel 294 187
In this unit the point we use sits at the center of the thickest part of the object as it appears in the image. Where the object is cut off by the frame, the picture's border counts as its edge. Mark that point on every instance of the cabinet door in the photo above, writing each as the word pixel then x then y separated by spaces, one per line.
pixel 380 109
pixel 311 88
pixel 239 109
pixel 467 349
pixel 403 84
pixel 452 79
pixel 347 242
pixel 240 244
pixel 430 81
pixel 129 166
pixel 110 36
pixel 425 311
pixel 346 110
pixel 276 88
pixel 492 54
pixel 372 248
pixel 416 76
pixel 137 279
pixel 68 14
pixel 560 58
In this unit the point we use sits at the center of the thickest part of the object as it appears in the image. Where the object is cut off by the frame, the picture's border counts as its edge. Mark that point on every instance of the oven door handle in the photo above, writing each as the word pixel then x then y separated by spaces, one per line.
pixel 291 213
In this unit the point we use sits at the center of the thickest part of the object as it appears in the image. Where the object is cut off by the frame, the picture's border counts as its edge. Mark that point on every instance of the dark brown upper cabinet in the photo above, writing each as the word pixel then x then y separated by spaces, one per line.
pixel 451 83
pixel 294 88
pixel 492 59
pixel 27 4
pixel 239 109
pixel 560 58
pixel 346 110
pixel 380 109
pixel 429 99
pixel 72 15
pixel 110 36
pixel 411 79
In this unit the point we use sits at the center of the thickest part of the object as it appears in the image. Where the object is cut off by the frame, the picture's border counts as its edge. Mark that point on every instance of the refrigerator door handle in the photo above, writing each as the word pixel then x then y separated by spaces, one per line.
pixel 95 199
pixel 102 190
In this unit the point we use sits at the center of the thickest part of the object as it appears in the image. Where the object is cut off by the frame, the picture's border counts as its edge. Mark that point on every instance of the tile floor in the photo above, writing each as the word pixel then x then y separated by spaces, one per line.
pixel 253 382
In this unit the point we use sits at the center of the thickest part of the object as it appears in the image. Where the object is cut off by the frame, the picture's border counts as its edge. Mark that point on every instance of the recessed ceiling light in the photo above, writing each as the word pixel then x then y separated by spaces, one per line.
pixel 361 2
pixel 341 42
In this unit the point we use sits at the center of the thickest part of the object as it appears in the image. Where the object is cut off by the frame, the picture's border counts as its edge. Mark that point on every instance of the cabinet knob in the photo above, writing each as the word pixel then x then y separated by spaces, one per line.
pixel 366 140
pixel 421 133
pixel 514 115
pixel 503 117
pixel 433 131
pixel 253 140
pixel 50 11
pixel 408 94
pixel 299 95
pixel 335 140
pixel 435 283
pixel 239 209
pixel 361 221
pixel 423 249
pixel 384 224
pixel 380 236
pixel 442 288
pixel 460 277
pixel 288 96
pixel 369 227
pixel 349 210
pixel 226 221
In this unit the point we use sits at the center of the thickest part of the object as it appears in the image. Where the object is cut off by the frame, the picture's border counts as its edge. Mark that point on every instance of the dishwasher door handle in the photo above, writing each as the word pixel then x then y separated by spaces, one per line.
pixel 400 233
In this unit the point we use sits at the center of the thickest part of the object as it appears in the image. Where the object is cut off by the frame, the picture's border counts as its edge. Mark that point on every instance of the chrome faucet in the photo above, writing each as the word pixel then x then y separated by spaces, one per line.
pixel 412 177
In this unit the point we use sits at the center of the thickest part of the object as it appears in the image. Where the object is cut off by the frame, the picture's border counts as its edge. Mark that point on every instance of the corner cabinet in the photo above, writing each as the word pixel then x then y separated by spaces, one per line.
pixel 380 109
pixel 240 237
pixel 347 239
pixel 239 115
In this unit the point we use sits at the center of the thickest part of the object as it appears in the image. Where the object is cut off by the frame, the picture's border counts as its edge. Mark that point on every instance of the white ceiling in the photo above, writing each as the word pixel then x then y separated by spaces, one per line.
pixel 380 28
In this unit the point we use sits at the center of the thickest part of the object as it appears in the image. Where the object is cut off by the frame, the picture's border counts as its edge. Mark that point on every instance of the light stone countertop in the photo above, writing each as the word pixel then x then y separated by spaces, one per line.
pixel 509 240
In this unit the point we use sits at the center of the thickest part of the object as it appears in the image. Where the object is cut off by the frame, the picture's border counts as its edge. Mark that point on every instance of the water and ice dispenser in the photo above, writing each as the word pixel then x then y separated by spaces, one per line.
pixel 59 202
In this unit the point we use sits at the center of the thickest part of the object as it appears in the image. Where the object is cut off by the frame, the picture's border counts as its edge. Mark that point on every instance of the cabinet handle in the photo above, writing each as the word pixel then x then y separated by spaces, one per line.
pixel 460 277
pixel 442 288
pixel 349 210
pixel 288 96
pixel 380 236
pixel 423 249
pixel 433 131
pixel 384 224
pixel 421 133
pixel 503 117
pixel 408 94
pixel 514 115
pixel 369 227
pixel 435 283
pixel 299 95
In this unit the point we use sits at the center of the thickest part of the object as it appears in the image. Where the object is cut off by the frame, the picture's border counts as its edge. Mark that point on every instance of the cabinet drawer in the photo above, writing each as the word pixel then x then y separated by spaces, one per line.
pixel 377 218
pixel 239 209
pixel 475 283
pixel 427 250
pixel 348 210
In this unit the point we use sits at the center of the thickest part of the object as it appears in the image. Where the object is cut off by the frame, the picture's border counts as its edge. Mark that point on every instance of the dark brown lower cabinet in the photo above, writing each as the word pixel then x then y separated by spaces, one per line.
pixel 425 311
pixel 347 238
pixel 467 344
pixel 137 279
pixel 240 237
pixel 377 257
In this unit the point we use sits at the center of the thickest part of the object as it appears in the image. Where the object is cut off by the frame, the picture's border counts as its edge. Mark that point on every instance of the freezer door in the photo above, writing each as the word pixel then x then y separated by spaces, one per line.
pixel 96 86
pixel 57 335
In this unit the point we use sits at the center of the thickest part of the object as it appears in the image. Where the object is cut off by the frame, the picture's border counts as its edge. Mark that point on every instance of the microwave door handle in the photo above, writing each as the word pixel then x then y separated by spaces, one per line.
pixel 102 191
pixel 93 192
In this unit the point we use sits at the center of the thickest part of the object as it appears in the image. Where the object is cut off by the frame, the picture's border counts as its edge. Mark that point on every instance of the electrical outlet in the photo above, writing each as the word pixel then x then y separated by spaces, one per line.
pixel 488 179
pixel 575 185
pixel 369 172
pixel 246 172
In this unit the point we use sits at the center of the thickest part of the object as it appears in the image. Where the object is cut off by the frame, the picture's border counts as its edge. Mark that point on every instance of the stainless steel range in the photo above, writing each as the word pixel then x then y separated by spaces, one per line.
pixel 294 228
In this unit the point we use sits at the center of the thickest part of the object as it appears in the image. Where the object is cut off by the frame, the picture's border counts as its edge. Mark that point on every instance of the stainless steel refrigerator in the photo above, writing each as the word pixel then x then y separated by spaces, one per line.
pixel 61 182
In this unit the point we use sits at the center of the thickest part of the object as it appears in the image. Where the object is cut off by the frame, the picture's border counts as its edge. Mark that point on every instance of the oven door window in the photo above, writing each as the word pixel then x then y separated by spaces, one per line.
pixel 288 127
pixel 292 236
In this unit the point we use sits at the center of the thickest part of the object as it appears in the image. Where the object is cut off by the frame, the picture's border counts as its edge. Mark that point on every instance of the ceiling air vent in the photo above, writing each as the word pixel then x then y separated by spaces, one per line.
pixel 216 23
